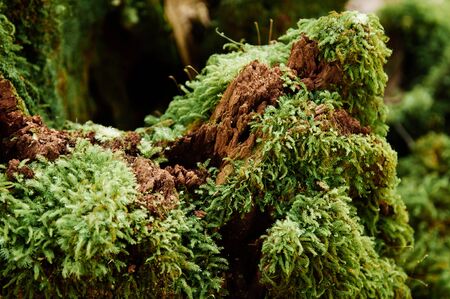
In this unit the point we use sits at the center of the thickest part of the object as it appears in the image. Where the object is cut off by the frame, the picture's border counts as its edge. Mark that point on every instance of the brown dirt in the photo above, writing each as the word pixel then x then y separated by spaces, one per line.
pixel 189 178
pixel 128 143
pixel 26 137
pixel 156 186
pixel 227 134
pixel 385 208
pixel 15 168
pixel 346 124
pixel 315 73
pixel 340 120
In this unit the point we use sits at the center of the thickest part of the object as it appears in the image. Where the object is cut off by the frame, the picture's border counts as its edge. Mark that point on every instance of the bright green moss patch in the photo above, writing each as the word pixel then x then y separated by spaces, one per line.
pixel 320 179
pixel 357 42
pixel 320 245
pixel 75 229
pixel 70 221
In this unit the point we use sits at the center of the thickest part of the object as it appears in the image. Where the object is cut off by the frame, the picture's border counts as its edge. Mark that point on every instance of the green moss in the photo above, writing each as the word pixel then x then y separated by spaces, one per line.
pixel 357 42
pixel 315 201
pixel 354 40
pixel 71 221
pixel 321 246
pixel 101 133
pixel 182 260
pixel 75 229
pixel 296 153
pixel 338 226
pixel 204 92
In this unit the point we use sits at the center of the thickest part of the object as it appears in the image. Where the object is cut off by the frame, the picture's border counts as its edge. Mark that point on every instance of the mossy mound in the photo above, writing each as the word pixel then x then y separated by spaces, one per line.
pixel 291 122
pixel 271 177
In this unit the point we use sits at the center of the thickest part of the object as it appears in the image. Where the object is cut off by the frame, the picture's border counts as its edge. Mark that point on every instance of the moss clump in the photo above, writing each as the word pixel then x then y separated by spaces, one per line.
pixel 76 229
pixel 275 153
pixel 342 38
pixel 315 151
pixel 361 52
pixel 72 213
pixel 314 228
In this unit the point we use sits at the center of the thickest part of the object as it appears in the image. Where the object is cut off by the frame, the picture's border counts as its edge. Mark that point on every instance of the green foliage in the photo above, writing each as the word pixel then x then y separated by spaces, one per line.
pixel 204 92
pixel 419 93
pixel 53 38
pixel 342 37
pixel 182 260
pixel 357 42
pixel 340 226
pixel 323 184
pixel 418 106
pixel 425 190
pixel 102 133
pixel 75 229
pixel 320 246
pixel 425 106
pixel 420 30
pixel 67 61
pixel 298 153
pixel 70 222
pixel 415 103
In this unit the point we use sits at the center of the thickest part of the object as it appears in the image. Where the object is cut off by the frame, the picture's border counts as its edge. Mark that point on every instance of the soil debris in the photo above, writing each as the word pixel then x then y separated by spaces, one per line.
pixel 26 137
pixel 227 134
pixel 15 168
pixel 200 214
pixel 156 186
pixel 340 120
pixel 346 124
pixel 189 178
pixel 316 74
pixel 128 143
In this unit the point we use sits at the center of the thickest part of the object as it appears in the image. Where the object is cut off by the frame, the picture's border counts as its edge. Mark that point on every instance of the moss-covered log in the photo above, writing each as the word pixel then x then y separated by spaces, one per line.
pixel 270 176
